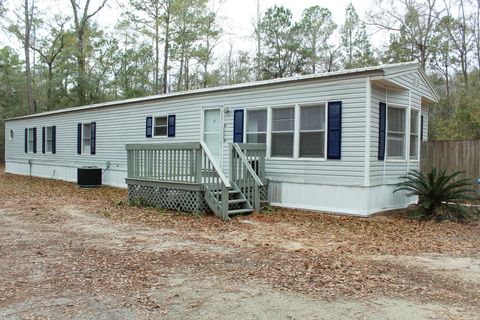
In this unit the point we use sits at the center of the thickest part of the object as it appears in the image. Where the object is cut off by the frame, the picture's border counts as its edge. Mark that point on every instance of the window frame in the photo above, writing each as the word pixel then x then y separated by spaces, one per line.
pixel 405 133
pixel 154 118
pixel 418 125
pixel 245 123
pixel 89 124
pixel 293 131
pixel 30 134
pixel 47 140
pixel 325 130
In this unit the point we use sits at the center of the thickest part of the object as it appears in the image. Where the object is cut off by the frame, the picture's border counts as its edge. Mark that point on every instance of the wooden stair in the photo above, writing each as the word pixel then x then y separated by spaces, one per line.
pixel 237 203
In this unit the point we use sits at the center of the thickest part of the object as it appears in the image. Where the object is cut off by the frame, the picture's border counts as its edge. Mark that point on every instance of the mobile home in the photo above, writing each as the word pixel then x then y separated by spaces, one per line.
pixel 334 142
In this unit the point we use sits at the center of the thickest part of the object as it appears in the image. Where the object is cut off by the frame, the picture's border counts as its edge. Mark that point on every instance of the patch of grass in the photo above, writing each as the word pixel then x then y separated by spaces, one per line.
pixel 268 209
pixel 139 202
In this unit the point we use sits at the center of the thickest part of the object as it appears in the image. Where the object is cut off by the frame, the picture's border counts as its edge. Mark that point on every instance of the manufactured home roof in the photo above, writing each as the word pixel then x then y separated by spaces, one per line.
pixel 381 68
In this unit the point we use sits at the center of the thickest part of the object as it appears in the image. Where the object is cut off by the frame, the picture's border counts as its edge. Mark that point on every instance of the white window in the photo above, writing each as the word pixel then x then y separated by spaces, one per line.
pixel 396 133
pixel 49 139
pixel 283 125
pixel 414 134
pixel 257 126
pixel 30 139
pixel 312 131
pixel 160 127
pixel 87 138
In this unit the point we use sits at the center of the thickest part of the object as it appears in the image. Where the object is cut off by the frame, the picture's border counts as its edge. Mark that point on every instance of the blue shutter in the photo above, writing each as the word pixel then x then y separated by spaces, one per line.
pixel 238 126
pixel 334 143
pixel 54 139
pixel 79 138
pixel 421 128
pixel 34 140
pixel 43 139
pixel 171 125
pixel 93 137
pixel 26 140
pixel 148 127
pixel 382 119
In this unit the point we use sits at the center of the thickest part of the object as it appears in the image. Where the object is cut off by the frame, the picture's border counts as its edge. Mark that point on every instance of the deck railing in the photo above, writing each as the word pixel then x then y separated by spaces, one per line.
pixel 255 154
pixel 169 162
pixel 184 163
pixel 215 183
pixel 244 173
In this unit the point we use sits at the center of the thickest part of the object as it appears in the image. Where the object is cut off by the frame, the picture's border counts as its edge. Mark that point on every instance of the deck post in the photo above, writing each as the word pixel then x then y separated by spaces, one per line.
pixel 198 165
pixel 257 198
pixel 129 163
pixel 230 163
pixel 224 203
pixel 261 170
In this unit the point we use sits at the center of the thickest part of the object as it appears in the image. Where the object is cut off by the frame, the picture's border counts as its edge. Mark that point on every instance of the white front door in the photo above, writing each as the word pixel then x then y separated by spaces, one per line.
pixel 212 133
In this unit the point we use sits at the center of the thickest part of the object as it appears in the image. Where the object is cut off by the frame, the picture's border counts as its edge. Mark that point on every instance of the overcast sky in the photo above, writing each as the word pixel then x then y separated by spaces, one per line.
pixel 237 15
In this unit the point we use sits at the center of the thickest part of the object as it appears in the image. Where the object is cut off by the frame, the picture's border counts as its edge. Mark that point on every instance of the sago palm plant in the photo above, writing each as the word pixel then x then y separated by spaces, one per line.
pixel 441 196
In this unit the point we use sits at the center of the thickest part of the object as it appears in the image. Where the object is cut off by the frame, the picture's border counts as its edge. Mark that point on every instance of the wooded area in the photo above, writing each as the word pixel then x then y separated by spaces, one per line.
pixel 159 46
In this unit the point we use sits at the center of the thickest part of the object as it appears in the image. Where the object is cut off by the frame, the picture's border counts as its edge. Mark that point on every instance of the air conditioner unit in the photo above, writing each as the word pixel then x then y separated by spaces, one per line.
pixel 89 176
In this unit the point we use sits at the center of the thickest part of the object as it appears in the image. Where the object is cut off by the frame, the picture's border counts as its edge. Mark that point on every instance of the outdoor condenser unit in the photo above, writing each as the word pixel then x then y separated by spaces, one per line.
pixel 88 177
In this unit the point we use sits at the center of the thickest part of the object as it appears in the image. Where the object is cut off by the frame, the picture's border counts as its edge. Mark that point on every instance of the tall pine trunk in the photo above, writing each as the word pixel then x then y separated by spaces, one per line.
pixel 28 71
pixel 167 45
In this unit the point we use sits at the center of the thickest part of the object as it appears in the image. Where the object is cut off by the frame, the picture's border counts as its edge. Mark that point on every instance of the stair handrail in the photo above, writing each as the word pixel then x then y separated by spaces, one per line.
pixel 244 159
pixel 250 187
pixel 219 171
pixel 216 188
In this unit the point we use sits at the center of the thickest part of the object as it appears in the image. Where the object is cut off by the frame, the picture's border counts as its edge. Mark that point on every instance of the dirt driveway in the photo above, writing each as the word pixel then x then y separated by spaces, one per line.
pixel 77 253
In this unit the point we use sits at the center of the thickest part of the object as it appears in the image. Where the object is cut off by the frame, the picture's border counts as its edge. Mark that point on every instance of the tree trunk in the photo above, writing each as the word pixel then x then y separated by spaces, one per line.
pixel 314 56
pixel 28 71
pixel 49 85
pixel 157 56
pixel 81 81
pixel 477 27
pixel 258 64
pixel 165 56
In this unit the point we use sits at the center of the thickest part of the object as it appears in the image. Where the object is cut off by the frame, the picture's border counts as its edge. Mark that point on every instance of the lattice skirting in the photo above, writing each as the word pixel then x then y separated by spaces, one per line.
pixel 264 193
pixel 168 198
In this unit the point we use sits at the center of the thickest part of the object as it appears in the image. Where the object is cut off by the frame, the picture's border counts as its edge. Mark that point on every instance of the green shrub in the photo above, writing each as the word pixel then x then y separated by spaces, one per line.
pixel 441 196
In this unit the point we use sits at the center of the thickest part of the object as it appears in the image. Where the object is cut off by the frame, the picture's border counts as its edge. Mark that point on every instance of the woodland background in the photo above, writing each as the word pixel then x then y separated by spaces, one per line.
pixel 160 46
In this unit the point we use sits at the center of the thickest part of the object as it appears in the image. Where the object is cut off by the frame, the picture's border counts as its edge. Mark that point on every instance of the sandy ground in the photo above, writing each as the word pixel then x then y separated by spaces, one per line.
pixel 72 253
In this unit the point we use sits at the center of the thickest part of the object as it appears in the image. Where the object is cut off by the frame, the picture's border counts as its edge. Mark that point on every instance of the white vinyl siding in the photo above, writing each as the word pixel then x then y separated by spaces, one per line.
pixel 86 138
pixel 414 134
pixel 312 131
pixel 160 127
pixel 395 133
pixel 283 126
pixel 387 172
pixel 125 124
pixel 257 126
pixel 30 140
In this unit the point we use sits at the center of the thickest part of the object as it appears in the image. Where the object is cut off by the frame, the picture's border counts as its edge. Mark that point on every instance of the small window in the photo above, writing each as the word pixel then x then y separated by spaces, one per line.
pixel 396 133
pixel 283 124
pixel 257 126
pixel 31 139
pixel 87 138
pixel 11 134
pixel 160 127
pixel 414 134
pixel 312 131
pixel 49 139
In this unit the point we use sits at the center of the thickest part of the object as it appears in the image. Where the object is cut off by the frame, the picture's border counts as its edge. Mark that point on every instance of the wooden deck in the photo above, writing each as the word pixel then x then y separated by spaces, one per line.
pixel 184 176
